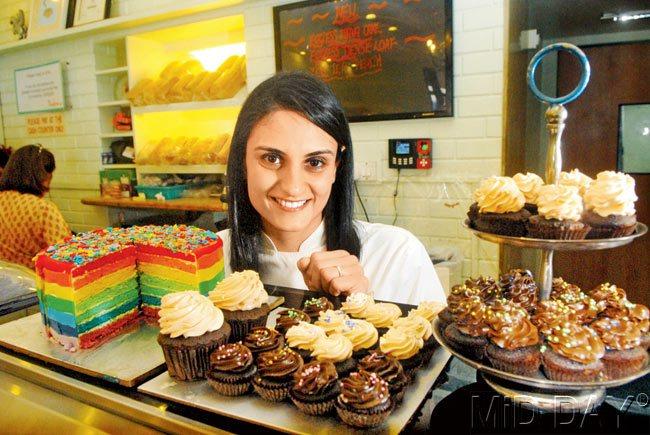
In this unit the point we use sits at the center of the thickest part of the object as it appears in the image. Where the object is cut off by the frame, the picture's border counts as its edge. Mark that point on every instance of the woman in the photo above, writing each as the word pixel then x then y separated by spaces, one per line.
pixel 28 222
pixel 291 202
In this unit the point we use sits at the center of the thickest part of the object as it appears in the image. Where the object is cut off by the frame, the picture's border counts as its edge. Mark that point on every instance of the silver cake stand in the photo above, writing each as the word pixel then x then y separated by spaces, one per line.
pixel 539 392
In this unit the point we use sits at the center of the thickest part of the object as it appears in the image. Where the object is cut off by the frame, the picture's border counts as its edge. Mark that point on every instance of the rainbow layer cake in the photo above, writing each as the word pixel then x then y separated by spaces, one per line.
pixel 93 285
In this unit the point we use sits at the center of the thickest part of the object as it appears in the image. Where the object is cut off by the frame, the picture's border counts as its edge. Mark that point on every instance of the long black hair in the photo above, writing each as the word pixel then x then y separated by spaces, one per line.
pixel 27 169
pixel 311 98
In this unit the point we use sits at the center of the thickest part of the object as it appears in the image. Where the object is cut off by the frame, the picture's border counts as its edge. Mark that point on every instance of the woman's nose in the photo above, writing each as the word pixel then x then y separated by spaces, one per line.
pixel 292 181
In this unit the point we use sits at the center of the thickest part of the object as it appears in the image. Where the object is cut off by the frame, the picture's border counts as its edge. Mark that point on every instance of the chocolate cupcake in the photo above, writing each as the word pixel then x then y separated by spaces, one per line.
pixel 572 353
pixel 514 340
pixel 243 300
pixel 623 354
pixel 421 328
pixel 302 338
pixel 389 369
pixel 313 307
pixel 364 400
pixel 190 329
pixel 405 347
pixel 576 179
pixel 262 339
pixel 363 336
pixel 335 349
pixel 231 369
pixel 458 294
pixel 487 287
pixel 519 286
pixel 529 184
pixel 288 318
pixel 559 214
pixel 584 308
pixel 609 206
pixel 468 334
pixel 275 370
pixel 382 315
pixel 500 207
pixel 315 388
pixel 357 304
pixel 551 313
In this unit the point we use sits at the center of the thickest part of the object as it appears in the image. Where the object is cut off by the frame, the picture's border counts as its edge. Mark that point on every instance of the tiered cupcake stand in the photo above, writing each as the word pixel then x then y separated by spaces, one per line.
pixel 539 392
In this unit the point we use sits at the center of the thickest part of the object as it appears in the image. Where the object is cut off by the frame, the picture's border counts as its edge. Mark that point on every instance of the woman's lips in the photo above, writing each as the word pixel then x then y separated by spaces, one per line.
pixel 291 205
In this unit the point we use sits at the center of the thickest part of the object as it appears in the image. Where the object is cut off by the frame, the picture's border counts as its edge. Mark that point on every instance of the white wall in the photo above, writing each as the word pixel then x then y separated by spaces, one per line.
pixel 466 148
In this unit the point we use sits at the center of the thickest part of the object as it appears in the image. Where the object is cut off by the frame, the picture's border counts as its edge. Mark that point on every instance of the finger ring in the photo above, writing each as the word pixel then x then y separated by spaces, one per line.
pixel 340 270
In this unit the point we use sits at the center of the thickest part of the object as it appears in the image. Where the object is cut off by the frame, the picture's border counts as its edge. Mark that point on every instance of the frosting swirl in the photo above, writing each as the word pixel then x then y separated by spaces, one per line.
pixel 519 286
pixel 315 378
pixel 499 195
pixel 356 304
pixel 383 314
pixel 231 357
pixel 470 319
pixel 304 335
pixel 529 184
pixel 189 314
pixel 551 313
pixel 617 334
pixel 577 179
pixel 520 333
pixel 240 291
pixel 400 344
pixel 364 390
pixel 415 325
pixel 361 333
pixel 334 348
pixel 576 342
pixel 261 339
pixel 387 367
pixel 611 193
pixel 313 306
pixel 428 309
pixel 278 364
pixel 557 201
pixel 331 321
pixel 488 288
pixel 288 318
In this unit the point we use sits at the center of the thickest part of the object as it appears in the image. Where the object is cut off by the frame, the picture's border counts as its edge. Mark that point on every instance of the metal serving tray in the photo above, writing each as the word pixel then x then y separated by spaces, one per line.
pixel 284 416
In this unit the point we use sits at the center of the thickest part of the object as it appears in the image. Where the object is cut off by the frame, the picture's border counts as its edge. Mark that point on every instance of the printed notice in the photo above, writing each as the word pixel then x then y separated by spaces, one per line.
pixel 40 88
pixel 46 124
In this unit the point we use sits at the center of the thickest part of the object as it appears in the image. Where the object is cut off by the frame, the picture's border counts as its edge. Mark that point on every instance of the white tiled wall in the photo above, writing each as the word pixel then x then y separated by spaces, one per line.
pixel 431 204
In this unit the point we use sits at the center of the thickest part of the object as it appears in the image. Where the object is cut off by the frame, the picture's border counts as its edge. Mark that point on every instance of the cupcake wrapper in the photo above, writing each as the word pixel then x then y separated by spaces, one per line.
pixel 314 408
pixel 242 327
pixel 623 363
pixel 558 368
pixel 360 420
pixel 558 232
pixel 502 224
pixel 272 393
pixel 398 395
pixel 611 232
pixel 519 362
pixel 188 364
pixel 230 389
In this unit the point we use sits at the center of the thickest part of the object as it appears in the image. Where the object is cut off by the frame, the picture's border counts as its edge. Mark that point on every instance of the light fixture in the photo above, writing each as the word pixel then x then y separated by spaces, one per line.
pixel 626 16
pixel 303 52
pixel 392 29
pixel 371 16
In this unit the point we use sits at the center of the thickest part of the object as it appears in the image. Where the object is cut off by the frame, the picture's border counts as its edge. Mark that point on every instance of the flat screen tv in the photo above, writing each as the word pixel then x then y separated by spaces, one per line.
pixel 384 59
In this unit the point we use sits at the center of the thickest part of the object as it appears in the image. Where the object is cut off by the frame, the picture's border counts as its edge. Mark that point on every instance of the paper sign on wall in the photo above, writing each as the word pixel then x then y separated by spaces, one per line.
pixel 40 88
pixel 45 125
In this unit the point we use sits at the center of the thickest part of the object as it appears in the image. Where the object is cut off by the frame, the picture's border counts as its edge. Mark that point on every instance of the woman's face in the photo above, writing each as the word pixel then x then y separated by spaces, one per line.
pixel 290 166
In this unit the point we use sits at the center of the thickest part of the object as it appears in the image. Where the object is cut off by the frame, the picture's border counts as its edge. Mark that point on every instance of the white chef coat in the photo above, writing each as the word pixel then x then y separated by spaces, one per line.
pixel 393 259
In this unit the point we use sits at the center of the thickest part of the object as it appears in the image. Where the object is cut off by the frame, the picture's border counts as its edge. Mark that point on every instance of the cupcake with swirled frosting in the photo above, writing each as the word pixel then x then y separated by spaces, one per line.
pixel 609 206
pixel 275 370
pixel 499 207
pixel 576 179
pixel 382 315
pixel 624 355
pixel 404 346
pixel 337 349
pixel 364 401
pixel 302 337
pixel 363 336
pixel 421 328
pixel 262 339
pixel 288 318
pixel 573 353
pixel 529 184
pixel 357 304
pixel 559 211
pixel 231 369
pixel 243 300
pixel 190 329
pixel 315 388
pixel 331 321
pixel 389 369
pixel 468 333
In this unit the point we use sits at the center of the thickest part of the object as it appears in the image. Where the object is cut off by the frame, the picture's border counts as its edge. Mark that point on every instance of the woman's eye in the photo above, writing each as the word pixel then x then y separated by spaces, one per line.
pixel 316 163
pixel 272 159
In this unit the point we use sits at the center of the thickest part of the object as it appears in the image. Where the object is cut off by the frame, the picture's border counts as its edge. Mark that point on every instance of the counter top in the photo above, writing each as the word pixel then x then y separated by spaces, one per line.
pixel 187 204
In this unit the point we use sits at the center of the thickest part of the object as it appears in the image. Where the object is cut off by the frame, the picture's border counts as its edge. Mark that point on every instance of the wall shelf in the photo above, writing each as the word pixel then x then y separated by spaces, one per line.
pixel 181 169
pixel 117 134
pixel 187 204
pixel 119 166
pixel 109 71
pixel 115 103
pixel 236 101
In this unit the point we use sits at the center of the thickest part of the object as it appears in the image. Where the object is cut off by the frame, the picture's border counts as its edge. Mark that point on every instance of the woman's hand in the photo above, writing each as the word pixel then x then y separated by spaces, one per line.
pixel 335 272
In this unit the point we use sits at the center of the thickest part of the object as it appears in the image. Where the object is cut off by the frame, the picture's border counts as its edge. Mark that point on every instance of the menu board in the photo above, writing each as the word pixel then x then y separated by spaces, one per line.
pixel 39 88
pixel 384 60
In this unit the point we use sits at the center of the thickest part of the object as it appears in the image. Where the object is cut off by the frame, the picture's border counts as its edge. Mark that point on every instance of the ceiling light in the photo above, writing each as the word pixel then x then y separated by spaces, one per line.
pixel 626 16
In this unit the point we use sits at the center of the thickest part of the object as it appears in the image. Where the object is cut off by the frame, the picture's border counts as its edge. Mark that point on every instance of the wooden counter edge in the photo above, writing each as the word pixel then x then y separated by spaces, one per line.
pixel 187 204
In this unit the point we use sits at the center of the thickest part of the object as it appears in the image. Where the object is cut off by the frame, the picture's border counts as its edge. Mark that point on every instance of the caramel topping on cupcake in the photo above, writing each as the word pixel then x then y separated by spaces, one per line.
pixel 584 307
pixel 576 342
pixel 335 348
pixel 400 344
pixel 364 390
pixel 487 287
pixel 551 313
pixel 617 334
pixel 519 286
pixel 458 294
pixel 304 335
pixel 387 367
pixel 521 333
pixel 231 357
pixel 610 300
pixel 315 378
pixel 362 334
pixel 502 313
pixel 470 319
pixel 640 315
pixel 279 363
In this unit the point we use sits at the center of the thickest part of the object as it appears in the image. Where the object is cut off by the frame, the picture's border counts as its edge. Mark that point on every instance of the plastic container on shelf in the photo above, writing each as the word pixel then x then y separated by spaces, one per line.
pixel 168 192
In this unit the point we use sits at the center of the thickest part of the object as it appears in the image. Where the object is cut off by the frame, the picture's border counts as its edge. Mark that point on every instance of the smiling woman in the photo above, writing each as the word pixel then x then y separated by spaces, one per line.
pixel 291 202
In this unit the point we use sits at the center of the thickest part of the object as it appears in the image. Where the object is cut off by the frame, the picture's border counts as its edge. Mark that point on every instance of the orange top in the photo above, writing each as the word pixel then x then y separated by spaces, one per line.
pixel 27 225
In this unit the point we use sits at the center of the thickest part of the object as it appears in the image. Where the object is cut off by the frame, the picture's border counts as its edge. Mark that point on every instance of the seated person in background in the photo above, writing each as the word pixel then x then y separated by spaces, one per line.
pixel 28 222
pixel 4 156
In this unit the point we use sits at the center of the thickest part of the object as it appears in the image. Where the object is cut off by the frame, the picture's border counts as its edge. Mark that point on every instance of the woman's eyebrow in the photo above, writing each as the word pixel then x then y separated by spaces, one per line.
pixel 270 149
pixel 318 153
